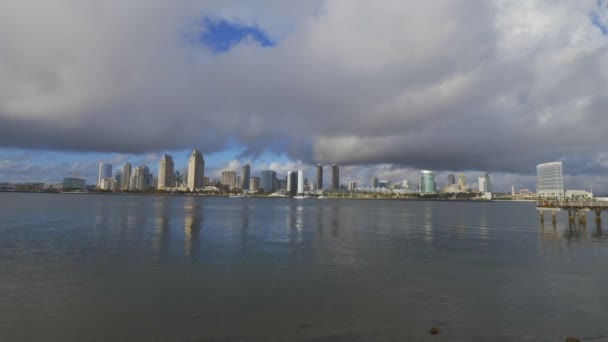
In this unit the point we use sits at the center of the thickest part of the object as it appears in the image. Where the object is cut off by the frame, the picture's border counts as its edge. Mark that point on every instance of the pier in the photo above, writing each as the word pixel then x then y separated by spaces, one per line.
pixel 576 209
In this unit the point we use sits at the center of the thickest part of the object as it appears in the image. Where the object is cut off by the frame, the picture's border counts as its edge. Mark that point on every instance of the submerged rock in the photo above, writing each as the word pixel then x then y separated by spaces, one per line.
pixel 434 331
pixel 573 339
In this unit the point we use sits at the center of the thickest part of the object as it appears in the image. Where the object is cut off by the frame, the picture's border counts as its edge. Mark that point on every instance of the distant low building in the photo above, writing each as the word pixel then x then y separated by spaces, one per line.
pixel 108 184
pixel 73 184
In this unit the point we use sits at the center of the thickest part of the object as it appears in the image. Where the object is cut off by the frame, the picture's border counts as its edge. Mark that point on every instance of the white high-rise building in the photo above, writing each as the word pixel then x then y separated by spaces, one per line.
pixel 196 171
pixel 229 178
pixel 485 185
pixel 105 171
pixel 550 180
pixel 352 185
pixel 300 182
pixel 165 172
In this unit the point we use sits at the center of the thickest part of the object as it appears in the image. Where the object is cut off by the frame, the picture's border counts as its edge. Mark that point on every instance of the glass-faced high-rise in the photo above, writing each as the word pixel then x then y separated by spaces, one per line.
pixel 268 179
pixel 320 176
pixel 245 177
pixel 427 182
pixel 335 178
pixel 550 180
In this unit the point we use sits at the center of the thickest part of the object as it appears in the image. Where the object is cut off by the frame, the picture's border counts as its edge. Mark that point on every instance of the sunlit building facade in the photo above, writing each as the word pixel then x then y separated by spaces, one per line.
pixel 550 180
pixel 427 182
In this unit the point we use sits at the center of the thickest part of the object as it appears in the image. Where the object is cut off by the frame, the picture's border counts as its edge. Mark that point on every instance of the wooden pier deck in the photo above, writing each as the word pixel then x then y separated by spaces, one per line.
pixel 575 208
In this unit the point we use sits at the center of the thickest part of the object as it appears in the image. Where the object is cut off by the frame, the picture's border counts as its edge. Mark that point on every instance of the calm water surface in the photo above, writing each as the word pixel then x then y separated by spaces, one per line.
pixel 134 268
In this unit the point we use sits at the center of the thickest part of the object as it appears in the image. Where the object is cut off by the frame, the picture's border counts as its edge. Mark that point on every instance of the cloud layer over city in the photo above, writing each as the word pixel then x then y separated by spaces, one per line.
pixel 489 85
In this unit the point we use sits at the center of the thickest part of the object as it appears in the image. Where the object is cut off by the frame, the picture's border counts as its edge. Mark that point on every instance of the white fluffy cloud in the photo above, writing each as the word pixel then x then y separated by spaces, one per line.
pixel 496 85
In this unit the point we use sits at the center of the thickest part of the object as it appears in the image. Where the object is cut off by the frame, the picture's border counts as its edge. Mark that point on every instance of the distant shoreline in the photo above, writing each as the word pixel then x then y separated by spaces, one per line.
pixel 275 197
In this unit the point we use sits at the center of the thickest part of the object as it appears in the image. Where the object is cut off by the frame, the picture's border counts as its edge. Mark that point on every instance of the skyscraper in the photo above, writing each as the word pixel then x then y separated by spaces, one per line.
pixel 292 180
pixel 320 176
pixel 268 180
pixel 462 182
pixel 141 179
pixel 352 185
pixel 550 180
pixel 427 182
pixel 374 182
pixel 126 176
pixel 165 172
pixel 245 177
pixel 229 178
pixel 451 179
pixel 254 184
pixel 335 178
pixel 105 171
pixel 196 170
pixel 485 185
pixel 300 182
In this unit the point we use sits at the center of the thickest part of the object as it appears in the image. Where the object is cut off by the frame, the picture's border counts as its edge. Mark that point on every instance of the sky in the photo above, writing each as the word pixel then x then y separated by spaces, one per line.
pixel 384 87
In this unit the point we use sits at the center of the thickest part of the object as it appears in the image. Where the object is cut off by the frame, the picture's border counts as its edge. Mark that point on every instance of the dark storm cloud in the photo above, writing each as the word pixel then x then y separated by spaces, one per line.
pixel 469 85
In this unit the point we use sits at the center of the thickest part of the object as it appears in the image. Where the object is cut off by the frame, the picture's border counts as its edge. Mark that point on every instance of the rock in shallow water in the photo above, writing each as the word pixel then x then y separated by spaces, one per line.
pixel 434 331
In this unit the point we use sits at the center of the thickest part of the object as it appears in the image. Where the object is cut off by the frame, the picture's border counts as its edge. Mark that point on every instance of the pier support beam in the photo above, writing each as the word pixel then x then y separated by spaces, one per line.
pixel 582 218
pixel 597 216
pixel 553 219
pixel 570 217
pixel 542 216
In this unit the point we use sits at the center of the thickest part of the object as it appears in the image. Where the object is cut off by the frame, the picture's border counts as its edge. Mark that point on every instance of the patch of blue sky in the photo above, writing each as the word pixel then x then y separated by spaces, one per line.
pixel 599 17
pixel 220 35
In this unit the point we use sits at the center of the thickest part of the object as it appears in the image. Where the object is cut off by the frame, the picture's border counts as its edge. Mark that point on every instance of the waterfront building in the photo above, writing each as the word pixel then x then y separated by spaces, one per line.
pixel 384 184
pixel 105 171
pixel 254 184
pixel 292 180
pixel 268 179
pixel 118 178
pixel 550 180
pixel 300 182
pixel 335 178
pixel 374 182
pixel 405 184
pixel 451 179
pixel 320 176
pixel 196 170
pixel 484 183
pixel 245 177
pixel 126 176
pixel 141 179
pixel 165 172
pixel 108 184
pixel 229 179
pixel 462 182
pixel 352 185
pixel 206 181
pixel 71 183
pixel 427 182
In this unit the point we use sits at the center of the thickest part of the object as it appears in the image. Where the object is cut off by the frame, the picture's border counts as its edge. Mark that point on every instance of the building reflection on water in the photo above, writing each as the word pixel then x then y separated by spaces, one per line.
pixel 163 229
pixel 192 225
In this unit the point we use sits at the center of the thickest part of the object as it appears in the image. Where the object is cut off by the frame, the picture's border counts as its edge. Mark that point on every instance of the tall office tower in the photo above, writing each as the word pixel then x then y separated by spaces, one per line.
pixel 118 179
pixel 335 178
pixel 268 180
pixel 462 182
pixel 374 182
pixel 245 177
pixel 352 185
pixel 254 184
pixel 289 185
pixel 427 182
pixel 165 172
pixel 550 180
pixel 105 171
pixel 300 182
pixel 126 176
pixel 205 181
pixel 405 184
pixel 229 178
pixel 139 177
pixel 196 170
pixel 485 185
pixel 319 176
pixel 451 179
